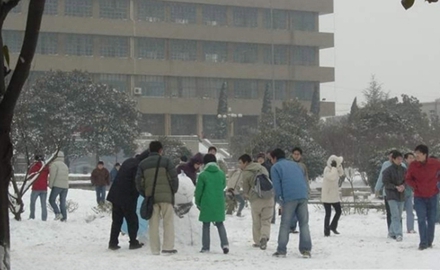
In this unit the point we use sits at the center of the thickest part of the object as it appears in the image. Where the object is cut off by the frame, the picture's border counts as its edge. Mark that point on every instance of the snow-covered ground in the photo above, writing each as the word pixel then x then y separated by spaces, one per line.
pixel 77 244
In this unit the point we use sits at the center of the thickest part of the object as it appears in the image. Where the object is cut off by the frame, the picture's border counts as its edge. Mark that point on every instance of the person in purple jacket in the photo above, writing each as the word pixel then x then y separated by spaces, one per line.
pixel 191 167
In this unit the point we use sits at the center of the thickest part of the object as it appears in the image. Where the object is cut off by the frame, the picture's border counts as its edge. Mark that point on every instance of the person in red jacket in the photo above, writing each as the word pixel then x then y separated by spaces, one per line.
pixel 422 176
pixel 39 187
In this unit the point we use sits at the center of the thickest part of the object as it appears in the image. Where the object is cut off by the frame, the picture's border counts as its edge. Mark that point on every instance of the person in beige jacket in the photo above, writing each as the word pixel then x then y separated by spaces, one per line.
pixel 262 209
pixel 330 193
pixel 233 193
pixel 59 185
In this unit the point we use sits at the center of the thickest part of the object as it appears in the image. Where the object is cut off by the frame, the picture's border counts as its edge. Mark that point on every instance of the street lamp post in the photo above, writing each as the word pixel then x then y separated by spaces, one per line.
pixel 230 116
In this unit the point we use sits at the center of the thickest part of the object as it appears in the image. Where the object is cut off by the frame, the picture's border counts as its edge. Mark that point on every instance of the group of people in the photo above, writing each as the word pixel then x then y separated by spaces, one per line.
pixel 55 176
pixel 404 179
pixel 411 181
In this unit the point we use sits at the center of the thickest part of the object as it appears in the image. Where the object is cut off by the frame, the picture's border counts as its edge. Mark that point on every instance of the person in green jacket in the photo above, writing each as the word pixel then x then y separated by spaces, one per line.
pixel 210 200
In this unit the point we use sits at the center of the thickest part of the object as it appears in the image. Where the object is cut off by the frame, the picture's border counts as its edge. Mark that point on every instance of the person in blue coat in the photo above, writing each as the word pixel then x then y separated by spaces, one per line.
pixel 114 172
pixel 291 193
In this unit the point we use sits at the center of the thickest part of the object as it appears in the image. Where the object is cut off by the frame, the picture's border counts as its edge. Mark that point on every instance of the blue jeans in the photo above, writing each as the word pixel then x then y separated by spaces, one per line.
pixel 293 223
pixel 34 196
pixel 426 209
pixel 62 192
pixel 100 194
pixel 241 203
pixel 206 239
pixel 437 219
pixel 396 209
pixel 300 209
pixel 409 209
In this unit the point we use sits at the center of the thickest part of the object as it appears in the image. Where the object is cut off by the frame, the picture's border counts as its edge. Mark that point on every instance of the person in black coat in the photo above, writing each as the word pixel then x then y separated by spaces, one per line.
pixel 124 195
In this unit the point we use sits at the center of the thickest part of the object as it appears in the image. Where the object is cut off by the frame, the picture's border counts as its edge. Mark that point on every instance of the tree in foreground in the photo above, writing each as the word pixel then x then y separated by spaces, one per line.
pixel 9 95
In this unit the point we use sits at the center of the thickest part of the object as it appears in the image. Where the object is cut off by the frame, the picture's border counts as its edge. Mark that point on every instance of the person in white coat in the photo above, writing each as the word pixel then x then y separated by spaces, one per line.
pixel 330 193
pixel 59 184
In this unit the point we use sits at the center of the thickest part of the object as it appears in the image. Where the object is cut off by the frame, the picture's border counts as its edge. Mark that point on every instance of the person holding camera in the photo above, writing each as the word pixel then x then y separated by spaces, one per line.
pixel 330 193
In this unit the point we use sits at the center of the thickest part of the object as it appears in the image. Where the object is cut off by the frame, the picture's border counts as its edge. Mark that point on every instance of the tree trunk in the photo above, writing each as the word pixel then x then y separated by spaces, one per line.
pixel 8 100
pixel 5 175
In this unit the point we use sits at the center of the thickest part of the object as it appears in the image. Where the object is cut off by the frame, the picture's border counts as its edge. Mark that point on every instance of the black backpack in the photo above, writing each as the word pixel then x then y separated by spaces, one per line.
pixel 263 186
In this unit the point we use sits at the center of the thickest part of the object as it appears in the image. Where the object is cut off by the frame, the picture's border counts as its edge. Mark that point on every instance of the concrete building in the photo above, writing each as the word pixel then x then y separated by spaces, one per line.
pixel 174 55
pixel 431 108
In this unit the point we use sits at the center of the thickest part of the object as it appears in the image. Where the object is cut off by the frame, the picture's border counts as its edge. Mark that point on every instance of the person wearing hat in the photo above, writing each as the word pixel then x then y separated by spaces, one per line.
pixel 39 186
pixel 330 193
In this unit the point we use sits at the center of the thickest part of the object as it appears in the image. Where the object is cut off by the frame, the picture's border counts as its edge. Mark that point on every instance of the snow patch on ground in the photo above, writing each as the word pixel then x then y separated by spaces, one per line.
pixel 78 244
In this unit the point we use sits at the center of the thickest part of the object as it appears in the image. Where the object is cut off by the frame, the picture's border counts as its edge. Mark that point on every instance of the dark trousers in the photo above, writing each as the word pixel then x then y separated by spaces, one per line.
pixel 328 213
pixel 118 214
pixel 388 211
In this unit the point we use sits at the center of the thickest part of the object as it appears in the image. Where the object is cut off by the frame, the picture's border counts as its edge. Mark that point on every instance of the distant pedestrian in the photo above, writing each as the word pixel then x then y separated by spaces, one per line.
pixel 100 179
pixel 221 163
pixel 210 200
pixel 39 187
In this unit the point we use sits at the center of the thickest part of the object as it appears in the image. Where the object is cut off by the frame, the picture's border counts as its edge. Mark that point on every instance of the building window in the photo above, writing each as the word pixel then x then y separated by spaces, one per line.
pixel 113 9
pixel 189 88
pixel 80 45
pixel 304 56
pixel 280 54
pixel 209 126
pixel 151 48
pixel 151 11
pixel 183 124
pixel 51 7
pixel 304 90
pixel 47 43
pixel 214 15
pixel 183 50
pixel 78 8
pixel 280 89
pixel 245 17
pixel 153 124
pixel 210 87
pixel 183 13
pixel 245 53
pixel 216 52
pixel 13 39
pixel 279 19
pixel 303 21
pixel 114 46
pixel 152 86
pixel 116 81
pixel 17 8
pixel 246 89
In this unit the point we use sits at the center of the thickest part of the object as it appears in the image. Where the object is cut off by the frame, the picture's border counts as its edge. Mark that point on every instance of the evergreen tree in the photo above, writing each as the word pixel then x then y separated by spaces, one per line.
pixel 353 110
pixel 315 107
pixel 374 93
pixel 267 100
pixel 222 123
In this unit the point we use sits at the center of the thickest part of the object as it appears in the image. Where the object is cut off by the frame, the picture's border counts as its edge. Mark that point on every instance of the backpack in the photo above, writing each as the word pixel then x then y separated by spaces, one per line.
pixel 263 186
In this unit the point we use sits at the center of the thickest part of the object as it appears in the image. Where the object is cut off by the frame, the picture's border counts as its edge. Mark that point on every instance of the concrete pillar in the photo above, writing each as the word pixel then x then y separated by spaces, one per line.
pixel 61 7
pixel 95 9
pixel 199 14
pixel 199 124
pixel 167 124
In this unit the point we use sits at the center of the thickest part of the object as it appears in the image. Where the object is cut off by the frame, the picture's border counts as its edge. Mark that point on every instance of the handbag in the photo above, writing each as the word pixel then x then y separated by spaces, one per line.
pixel 148 203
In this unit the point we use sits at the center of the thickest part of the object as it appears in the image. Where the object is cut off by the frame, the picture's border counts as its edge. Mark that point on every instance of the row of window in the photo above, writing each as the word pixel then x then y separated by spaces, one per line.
pixel 184 124
pixel 185 50
pixel 188 87
pixel 185 13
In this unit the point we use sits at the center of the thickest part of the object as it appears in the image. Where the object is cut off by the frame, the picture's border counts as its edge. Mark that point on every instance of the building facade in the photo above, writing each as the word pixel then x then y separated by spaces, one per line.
pixel 173 56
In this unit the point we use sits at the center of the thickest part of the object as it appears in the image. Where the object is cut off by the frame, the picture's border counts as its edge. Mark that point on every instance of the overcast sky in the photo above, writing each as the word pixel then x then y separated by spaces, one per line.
pixel 400 47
